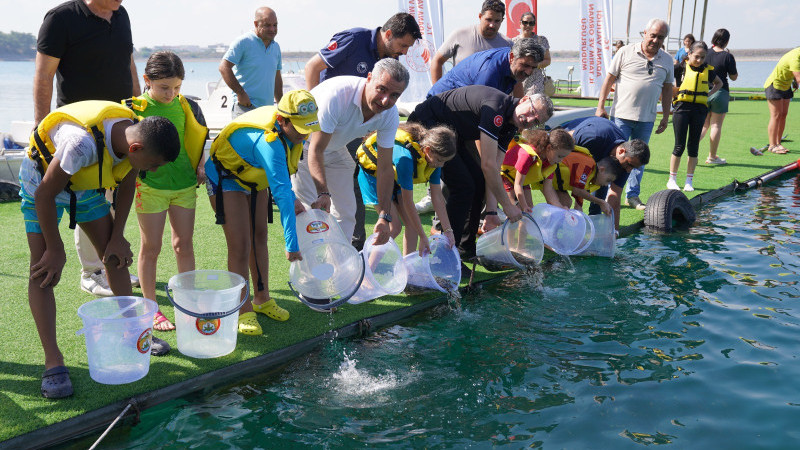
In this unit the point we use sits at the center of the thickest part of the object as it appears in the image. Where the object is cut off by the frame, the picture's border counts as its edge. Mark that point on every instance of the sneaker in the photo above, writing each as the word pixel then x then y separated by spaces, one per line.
pixel 688 187
pixel 671 184
pixel 96 284
pixel 716 160
pixel 159 347
pixel 135 281
pixel 634 202
pixel 425 205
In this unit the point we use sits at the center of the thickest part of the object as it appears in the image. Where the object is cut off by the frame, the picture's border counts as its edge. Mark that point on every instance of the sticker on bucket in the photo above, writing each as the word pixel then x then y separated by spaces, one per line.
pixel 207 327
pixel 317 226
pixel 143 343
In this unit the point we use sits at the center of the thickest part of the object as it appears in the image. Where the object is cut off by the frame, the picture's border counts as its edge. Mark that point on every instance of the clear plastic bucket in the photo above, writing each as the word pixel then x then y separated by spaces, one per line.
pixel 206 311
pixel 511 246
pixel 118 332
pixel 332 269
pixel 605 236
pixel 384 273
pixel 440 270
pixel 565 231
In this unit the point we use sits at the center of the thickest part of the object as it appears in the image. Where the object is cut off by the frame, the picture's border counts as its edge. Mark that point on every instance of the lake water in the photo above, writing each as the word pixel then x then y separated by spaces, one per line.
pixel 16 82
pixel 688 338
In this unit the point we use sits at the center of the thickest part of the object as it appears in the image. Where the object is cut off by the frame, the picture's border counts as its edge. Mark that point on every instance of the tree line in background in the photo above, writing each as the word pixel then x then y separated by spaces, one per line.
pixel 17 46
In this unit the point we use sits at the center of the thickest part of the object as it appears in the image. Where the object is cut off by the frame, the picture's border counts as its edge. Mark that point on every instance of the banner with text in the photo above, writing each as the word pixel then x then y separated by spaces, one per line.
pixel 514 11
pixel 430 18
pixel 594 44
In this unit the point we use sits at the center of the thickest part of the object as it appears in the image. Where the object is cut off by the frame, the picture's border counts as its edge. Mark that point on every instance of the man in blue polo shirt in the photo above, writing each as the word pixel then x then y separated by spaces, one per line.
pixel 604 138
pixel 501 68
pixel 355 51
pixel 252 65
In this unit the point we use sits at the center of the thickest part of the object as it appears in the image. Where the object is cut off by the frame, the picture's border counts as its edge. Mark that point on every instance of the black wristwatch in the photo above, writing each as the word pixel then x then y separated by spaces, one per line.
pixel 385 216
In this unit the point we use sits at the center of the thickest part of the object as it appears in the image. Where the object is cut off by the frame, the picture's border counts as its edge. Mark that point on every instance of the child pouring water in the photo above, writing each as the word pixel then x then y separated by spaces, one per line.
pixel 418 156
pixel 689 113
pixel 170 190
pixel 530 163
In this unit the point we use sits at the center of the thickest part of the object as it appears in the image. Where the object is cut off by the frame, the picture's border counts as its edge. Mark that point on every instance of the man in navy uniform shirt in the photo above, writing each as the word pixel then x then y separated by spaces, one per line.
pixel 602 138
pixel 501 68
pixel 486 115
pixel 355 51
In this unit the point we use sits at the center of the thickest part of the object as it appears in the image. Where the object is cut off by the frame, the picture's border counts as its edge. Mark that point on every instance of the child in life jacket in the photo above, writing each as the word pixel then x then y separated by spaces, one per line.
pixel 689 112
pixel 418 156
pixel 75 152
pixel 170 190
pixel 254 156
pixel 578 176
pixel 530 163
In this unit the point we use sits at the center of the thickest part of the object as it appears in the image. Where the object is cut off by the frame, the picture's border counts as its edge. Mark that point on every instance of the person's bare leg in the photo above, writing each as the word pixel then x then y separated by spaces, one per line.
pixel 43 307
pixel 181 220
pixel 259 250
pixel 151 228
pixel 99 232
pixel 715 133
pixel 774 122
pixel 237 234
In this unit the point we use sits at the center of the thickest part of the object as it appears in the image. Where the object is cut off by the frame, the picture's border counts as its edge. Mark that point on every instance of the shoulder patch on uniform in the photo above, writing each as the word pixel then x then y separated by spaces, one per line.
pixel 498 121
pixel 333 46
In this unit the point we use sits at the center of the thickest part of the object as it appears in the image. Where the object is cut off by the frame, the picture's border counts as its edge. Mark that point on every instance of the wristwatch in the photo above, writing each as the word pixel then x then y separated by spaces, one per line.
pixel 385 216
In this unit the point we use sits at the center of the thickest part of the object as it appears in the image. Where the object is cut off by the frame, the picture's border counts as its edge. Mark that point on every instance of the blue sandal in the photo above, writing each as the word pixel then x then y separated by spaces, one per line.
pixel 56 383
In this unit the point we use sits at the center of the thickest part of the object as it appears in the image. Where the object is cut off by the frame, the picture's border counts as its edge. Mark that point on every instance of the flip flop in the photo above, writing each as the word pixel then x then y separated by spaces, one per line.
pixel 159 319
pixel 56 383
pixel 756 152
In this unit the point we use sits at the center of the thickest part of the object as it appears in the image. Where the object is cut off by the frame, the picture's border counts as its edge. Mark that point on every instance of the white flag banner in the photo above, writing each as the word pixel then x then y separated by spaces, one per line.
pixel 595 44
pixel 430 18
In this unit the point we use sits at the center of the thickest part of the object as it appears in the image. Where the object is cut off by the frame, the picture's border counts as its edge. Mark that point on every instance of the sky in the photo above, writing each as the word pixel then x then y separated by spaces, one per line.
pixel 307 25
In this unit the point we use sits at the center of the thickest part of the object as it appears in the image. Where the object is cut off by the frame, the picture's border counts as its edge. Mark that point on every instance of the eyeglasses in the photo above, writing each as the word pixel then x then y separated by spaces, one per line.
pixel 649 67
pixel 528 23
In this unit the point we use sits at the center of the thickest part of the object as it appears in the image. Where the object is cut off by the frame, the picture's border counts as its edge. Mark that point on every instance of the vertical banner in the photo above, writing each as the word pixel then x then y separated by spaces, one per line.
pixel 514 11
pixel 595 44
pixel 430 18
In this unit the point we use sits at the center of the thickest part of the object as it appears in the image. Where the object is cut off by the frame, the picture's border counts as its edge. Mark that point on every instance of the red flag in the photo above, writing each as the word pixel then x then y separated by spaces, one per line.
pixel 514 11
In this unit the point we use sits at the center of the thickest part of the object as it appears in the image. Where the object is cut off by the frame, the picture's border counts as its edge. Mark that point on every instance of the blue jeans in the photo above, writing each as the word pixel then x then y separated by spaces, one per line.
pixel 633 129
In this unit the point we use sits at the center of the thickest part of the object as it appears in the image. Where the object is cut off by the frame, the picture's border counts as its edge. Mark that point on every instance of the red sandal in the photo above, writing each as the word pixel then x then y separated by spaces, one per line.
pixel 161 318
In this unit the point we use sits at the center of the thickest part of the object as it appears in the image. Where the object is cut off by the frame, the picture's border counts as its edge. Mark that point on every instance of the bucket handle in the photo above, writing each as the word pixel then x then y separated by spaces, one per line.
pixel 211 315
pixel 341 299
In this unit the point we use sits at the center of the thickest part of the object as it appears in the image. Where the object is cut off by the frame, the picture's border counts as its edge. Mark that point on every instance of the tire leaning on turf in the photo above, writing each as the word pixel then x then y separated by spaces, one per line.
pixel 668 210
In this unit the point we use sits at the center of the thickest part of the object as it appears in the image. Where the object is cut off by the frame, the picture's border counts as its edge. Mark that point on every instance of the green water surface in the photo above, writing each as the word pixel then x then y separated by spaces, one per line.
pixel 688 339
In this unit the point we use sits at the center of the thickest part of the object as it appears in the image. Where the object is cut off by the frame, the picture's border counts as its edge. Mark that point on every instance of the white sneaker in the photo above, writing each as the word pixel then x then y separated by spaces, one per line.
pixel 425 205
pixel 96 284
pixel 672 184
pixel 688 188
pixel 134 281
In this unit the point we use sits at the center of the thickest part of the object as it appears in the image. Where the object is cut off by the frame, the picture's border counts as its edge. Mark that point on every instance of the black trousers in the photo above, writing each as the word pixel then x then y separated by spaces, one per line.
pixel 688 118
pixel 464 180
pixel 359 232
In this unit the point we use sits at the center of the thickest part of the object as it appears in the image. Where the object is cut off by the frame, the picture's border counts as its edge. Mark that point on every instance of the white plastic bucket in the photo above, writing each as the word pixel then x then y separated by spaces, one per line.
pixel 440 270
pixel 384 271
pixel 206 311
pixel 565 231
pixel 332 269
pixel 510 246
pixel 605 236
pixel 118 332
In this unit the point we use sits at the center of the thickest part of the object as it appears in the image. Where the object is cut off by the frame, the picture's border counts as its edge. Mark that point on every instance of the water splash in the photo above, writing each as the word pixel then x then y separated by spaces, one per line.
pixel 351 381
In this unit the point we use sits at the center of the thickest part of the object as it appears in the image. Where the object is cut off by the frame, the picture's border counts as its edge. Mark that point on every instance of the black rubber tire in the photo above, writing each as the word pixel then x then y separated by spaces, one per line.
pixel 668 210
pixel 9 192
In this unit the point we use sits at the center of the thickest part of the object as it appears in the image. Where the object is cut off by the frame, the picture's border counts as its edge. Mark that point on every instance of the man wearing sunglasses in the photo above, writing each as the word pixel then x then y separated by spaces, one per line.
pixel 639 72
pixel 488 119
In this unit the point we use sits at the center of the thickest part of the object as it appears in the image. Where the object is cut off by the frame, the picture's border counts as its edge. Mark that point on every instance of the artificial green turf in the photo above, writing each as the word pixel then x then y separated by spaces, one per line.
pixel 22 409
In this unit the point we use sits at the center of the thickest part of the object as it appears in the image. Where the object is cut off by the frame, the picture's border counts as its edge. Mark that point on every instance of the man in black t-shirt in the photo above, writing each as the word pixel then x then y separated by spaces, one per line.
pixel 488 118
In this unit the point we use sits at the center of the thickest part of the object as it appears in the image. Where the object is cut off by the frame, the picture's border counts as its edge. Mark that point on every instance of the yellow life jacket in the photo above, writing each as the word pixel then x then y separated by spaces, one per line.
pixel 695 85
pixel 535 176
pixel 367 156
pixel 90 115
pixel 233 166
pixel 564 173
pixel 194 133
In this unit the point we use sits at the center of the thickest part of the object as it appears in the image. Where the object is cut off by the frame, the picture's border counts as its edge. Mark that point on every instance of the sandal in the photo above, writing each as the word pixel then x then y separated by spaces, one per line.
pixel 272 310
pixel 159 319
pixel 779 149
pixel 248 324
pixel 56 383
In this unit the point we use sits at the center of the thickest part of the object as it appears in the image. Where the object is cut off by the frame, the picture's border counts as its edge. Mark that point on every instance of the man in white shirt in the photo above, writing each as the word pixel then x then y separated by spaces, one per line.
pixel 352 107
pixel 640 73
